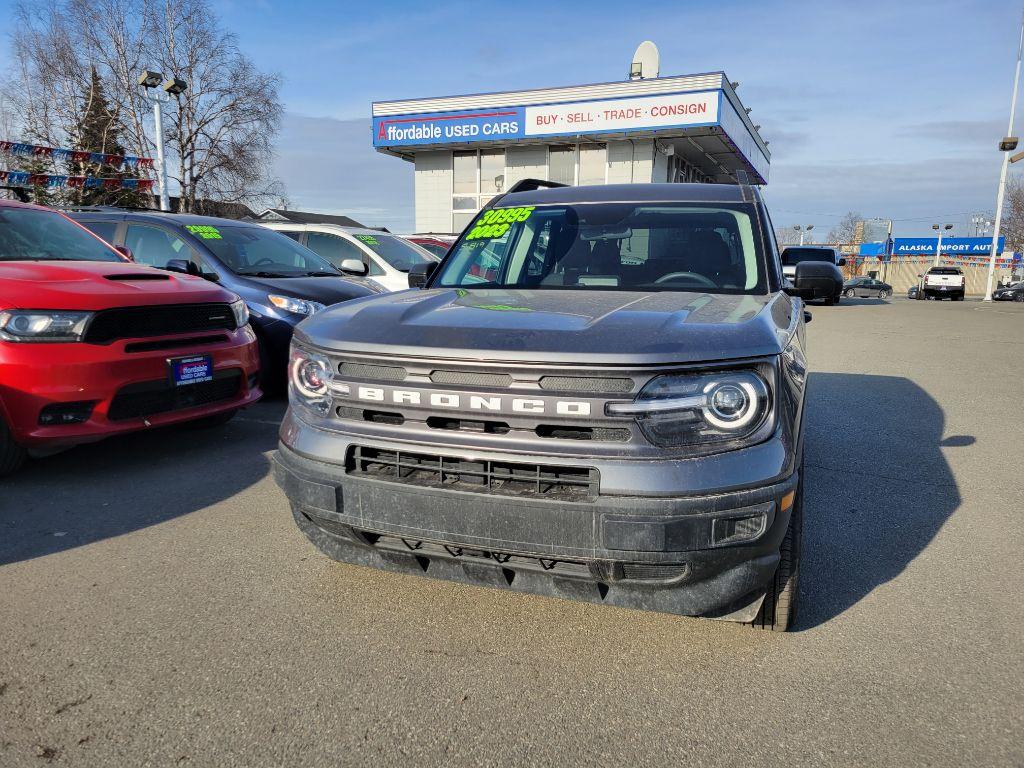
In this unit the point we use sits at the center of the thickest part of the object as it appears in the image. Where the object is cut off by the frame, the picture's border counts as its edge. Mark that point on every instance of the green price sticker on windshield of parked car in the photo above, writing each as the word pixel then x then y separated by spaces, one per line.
pixel 368 239
pixel 496 222
pixel 204 231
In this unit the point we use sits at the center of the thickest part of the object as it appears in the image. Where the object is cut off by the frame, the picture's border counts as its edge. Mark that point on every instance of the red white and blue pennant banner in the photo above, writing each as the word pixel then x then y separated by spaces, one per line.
pixel 57 181
pixel 17 149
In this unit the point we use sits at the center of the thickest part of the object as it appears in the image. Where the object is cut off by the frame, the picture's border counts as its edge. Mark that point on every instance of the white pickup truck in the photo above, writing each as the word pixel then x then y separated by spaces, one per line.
pixel 942 283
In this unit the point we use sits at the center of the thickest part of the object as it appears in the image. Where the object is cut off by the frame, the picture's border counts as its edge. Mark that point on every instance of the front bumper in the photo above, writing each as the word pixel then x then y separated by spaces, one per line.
pixel 35 376
pixel 661 553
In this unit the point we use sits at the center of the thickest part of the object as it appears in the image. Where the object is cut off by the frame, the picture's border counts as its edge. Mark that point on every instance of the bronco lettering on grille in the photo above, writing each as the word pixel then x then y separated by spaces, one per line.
pixel 471 402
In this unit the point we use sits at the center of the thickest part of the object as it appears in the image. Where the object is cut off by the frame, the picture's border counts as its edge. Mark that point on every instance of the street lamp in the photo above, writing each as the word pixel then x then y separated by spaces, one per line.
pixel 803 230
pixel 1006 146
pixel 940 228
pixel 150 83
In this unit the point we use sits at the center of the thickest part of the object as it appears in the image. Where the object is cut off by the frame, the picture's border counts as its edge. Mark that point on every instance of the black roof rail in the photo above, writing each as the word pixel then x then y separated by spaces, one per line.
pixel 743 180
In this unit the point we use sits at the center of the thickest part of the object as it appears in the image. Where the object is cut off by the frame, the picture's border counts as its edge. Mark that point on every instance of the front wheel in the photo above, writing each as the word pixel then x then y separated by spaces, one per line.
pixel 778 611
pixel 1019 297
pixel 12 455
pixel 884 294
pixel 848 293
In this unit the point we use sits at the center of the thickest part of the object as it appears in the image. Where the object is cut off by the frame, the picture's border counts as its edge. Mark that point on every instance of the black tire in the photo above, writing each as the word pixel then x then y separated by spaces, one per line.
pixel 12 455
pixel 830 301
pixel 887 293
pixel 778 611
pixel 210 422
pixel 848 293
pixel 1019 296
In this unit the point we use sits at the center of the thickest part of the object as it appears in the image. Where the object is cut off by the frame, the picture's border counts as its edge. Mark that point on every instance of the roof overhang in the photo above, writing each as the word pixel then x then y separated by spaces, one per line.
pixel 699 116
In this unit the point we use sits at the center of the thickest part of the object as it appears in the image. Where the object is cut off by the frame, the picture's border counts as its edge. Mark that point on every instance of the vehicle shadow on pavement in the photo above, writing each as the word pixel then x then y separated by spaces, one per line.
pixel 877 489
pixel 122 484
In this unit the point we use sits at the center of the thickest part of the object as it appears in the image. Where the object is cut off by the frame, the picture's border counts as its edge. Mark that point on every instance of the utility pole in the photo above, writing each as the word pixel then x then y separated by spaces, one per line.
pixel 1006 148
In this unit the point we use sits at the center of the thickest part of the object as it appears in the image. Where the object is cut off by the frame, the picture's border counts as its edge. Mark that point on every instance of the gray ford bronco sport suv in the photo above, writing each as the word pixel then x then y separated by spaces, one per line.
pixel 598 395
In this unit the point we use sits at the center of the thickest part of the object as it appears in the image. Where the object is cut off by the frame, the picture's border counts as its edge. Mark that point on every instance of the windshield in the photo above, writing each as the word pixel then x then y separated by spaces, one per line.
pixel 260 252
pixel 27 234
pixel 611 246
pixel 792 256
pixel 397 252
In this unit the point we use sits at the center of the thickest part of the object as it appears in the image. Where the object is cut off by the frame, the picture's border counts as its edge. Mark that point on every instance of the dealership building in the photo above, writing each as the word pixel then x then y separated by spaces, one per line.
pixel 467 149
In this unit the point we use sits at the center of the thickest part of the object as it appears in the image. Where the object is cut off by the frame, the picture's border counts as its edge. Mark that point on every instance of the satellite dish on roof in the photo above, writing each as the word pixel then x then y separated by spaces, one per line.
pixel 646 61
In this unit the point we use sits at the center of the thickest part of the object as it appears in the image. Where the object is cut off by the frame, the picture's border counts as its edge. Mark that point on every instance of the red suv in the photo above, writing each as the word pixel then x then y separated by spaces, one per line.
pixel 92 345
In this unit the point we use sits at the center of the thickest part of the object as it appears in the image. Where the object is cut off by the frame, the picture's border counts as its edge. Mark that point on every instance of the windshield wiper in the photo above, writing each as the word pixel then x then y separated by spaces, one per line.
pixel 267 274
pixel 323 274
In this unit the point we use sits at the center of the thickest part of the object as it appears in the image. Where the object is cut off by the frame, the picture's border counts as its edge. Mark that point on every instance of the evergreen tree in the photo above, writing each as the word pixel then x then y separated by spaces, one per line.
pixel 98 131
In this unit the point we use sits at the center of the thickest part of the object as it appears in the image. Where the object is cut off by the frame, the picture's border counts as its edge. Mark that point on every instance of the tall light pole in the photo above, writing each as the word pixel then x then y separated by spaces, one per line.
pixel 802 231
pixel 150 82
pixel 940 228
pixel 1006 146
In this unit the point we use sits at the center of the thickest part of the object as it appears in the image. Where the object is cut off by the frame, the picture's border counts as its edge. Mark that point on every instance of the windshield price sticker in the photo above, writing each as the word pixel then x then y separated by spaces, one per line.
pixel 495 222
pixel 368 239
pixel 204 232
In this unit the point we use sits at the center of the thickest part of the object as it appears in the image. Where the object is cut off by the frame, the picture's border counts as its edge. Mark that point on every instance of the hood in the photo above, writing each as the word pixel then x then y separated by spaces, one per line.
pixel 594 327
pixel 326 290
pixel 96 285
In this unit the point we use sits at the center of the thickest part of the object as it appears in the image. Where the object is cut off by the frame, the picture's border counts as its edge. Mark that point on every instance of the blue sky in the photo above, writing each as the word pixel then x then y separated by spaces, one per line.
pixel 891 108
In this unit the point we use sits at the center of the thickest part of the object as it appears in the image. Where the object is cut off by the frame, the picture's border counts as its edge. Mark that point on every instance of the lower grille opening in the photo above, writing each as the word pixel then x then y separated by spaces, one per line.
pixel 483 476
pixel 602 434
pixel 653 572
pixel 468 425
pixel 152 397
pixel 377 417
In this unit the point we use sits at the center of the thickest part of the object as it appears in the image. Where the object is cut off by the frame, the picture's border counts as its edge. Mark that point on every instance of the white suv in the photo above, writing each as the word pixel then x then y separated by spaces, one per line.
pixel 385 258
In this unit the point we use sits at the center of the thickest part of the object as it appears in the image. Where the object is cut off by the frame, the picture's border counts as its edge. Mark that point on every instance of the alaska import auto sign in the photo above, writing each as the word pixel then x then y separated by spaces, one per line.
pixel 566 119
pixel 910 246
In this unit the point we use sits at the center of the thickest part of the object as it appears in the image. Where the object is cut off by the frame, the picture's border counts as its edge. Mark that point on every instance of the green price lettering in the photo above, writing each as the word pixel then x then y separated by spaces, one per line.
pixel 203 231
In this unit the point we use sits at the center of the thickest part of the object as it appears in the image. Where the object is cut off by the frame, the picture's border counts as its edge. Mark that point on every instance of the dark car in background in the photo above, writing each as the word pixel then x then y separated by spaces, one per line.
pixel 1012 292
pixel 281 281
pixel 867 287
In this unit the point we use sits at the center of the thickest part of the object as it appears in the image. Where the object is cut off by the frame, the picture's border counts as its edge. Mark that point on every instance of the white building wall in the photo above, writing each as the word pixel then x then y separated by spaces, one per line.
pixel 525 163
pixel 659 174
pixel 433 184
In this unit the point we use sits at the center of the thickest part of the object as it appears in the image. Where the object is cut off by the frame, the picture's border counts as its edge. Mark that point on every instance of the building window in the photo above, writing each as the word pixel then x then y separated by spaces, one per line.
pixel 477 176
pixel 582 164
pixel 562 164
pixel 593 164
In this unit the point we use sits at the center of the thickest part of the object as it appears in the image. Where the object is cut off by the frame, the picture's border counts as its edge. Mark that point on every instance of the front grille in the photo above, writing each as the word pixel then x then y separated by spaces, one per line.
pixel 485 476
pixel 591 384
pixel 471 379
pixel 189 341
pixel 151 397
pixel 142 322
pixel 372 372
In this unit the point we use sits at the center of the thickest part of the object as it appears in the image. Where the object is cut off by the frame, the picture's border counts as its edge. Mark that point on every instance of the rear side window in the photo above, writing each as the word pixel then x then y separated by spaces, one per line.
pixel 155 246
pixel 104 229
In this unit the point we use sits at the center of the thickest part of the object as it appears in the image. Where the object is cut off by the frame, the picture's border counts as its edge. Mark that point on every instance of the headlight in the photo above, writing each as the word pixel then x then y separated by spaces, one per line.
pixel 42 325
pixel 311 381
pixel 298 306
pixel 701 409
pixel 241 313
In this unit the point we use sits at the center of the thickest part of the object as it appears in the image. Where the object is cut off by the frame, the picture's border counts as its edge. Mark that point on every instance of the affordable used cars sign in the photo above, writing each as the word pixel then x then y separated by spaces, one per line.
pixel 570 119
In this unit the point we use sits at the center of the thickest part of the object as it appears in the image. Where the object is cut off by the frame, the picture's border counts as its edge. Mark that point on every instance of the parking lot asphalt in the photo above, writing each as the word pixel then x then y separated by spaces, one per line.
pixel 159 607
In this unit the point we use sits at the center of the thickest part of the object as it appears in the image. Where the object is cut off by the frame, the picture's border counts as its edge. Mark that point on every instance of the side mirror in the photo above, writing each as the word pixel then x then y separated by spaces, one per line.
pixel 125 251
pixel 816 280
pixel 353 267
pixel 842 261
pixel 420 274
pixel 185 266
